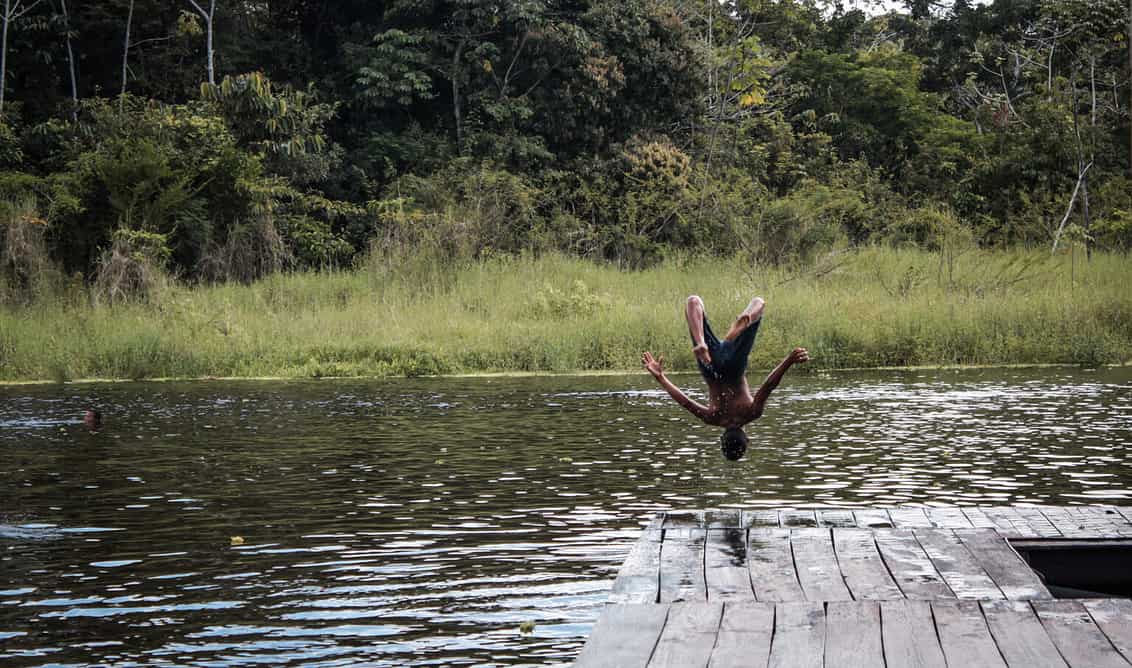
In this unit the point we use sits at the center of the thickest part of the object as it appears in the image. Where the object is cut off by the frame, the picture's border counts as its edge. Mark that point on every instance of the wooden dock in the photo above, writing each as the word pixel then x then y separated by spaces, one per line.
pixel 864 587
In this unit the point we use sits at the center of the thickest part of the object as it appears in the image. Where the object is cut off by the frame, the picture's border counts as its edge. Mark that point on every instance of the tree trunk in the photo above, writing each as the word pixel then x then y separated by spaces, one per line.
pixel 1049 72
pixel 126 55
pixel 1069 209
pixel 712 101
pixel 1092 155
pixel 71 64
pixel 1093 90
pixel 211 53
pixel 1082 170
pixel 11 12
pixel 456 95
pixel 1085 214
pixel 4 52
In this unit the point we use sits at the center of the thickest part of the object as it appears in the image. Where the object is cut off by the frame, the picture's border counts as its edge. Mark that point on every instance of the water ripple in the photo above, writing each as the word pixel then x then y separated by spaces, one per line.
pixel 421 522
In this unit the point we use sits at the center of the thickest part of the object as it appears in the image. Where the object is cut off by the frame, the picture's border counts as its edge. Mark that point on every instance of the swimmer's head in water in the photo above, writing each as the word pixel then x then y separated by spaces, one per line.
pixel 93 420
pixel 733 443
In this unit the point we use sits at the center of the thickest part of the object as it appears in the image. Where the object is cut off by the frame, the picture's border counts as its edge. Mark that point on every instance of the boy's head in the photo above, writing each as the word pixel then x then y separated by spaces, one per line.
pixel 93 419
pixel 733 443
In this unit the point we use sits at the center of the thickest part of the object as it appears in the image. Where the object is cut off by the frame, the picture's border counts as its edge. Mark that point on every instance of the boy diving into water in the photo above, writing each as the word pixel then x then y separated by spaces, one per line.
pixel 723 365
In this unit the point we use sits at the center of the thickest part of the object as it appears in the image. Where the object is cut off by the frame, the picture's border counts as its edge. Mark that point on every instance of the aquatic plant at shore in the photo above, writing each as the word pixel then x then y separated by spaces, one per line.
pixel 872 307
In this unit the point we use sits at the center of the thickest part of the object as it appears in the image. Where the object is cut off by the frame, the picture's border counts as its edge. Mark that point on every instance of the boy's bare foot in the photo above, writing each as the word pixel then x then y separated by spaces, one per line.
pixel 752 313
pixel 701 353
pixel 738 326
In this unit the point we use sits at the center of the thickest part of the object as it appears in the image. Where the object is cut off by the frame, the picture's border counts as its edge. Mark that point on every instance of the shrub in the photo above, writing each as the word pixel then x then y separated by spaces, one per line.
pixel 466 210
pixel 648 201
pixel 195 173
pixel 252 250
pixel 133 268
pixel 655 202
pixel 798 227
pixel 11 153
pixel 929 228
pixel 1112 228
pixel 26 270
pixel 578 301
pixel 1114 231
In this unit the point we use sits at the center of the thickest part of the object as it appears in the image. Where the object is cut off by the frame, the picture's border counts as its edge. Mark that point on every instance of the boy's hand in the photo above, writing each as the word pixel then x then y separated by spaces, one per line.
pixel 653 365
pixel 799 356
pixel 702 354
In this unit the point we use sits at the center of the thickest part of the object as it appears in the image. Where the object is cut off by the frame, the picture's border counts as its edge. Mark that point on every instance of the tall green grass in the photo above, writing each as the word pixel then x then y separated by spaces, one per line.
pixel 876 307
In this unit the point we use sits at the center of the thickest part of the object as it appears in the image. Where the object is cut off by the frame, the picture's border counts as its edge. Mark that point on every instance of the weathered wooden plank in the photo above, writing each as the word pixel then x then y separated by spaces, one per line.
pixel 744 636
pixel 1008 570
pixel 872 518
pixel 797 517
pixel 910 566
pixel 638 581
pixel 799 635
pixel 1114 617
pixel 722 519
pixel 964 636
pixel 684 519
pixel 909 518
pixel 682 568
pixel 725 566
pixel 1068 524
pixel 817 567
pixel 683 533
pixel 908 631
pixel 1042 527
pixel 948 518
pixel 624 636
pixel 1100 521
pixel 1125 512
pixel 1120 525
pixel 771 565
pixel 959 568
pixel 760 518
pixel 836 517
pixel 979 519
pixel 864 571
pixel 1010 522
pixel 688 636
pixel 852 634
pixel 1019 635
pixel 1077 636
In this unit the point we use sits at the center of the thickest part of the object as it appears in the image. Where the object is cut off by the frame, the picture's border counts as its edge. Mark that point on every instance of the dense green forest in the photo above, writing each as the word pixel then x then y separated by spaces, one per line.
pixel 219 140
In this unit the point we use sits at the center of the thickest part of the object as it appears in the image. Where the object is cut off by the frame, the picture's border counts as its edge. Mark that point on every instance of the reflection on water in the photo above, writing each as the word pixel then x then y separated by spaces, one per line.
pixel 420 522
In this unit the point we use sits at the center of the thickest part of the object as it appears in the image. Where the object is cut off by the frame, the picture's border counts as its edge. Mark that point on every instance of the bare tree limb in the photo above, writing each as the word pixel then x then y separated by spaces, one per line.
pixel 12 12
pixel 71 63
pixel 149 40
pixel 208 21
pixel 126 55
pixel 1069 209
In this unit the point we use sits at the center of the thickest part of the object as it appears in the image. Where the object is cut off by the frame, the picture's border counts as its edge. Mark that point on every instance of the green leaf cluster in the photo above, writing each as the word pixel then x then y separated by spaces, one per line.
pixel 626 131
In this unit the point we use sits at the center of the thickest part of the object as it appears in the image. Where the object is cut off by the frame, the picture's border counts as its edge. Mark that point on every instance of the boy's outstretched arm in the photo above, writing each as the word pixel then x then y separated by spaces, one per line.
pixel 655 367
pixel 796 356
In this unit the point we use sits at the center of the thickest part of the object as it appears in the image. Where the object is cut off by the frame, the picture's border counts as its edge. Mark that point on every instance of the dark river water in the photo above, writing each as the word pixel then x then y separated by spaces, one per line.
pixel 421 522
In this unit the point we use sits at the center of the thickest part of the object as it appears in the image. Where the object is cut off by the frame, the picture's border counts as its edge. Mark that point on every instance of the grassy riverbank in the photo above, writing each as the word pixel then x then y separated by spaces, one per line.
pixel 872 308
